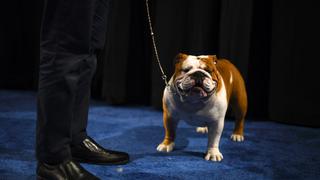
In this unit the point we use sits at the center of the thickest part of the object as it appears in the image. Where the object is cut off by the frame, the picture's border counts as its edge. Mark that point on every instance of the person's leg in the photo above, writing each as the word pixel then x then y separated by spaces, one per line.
pixel 64 52
pixel 72 33
pixel 82 98
pixel 84 148
pixel 97 41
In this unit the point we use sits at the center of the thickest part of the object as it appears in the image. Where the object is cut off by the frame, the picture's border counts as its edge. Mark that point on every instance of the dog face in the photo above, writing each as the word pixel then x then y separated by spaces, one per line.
pixel 195 77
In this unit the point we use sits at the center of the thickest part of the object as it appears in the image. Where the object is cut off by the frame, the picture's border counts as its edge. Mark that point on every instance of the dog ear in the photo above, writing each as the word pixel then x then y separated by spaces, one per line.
pixel 214 58
pixel 180 57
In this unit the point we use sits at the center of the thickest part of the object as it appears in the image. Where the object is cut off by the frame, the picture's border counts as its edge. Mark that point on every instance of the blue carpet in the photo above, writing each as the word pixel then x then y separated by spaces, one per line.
pixel 270 150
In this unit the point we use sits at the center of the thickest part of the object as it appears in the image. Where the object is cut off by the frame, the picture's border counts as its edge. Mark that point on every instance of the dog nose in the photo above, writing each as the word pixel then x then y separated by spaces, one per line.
pixel 198 75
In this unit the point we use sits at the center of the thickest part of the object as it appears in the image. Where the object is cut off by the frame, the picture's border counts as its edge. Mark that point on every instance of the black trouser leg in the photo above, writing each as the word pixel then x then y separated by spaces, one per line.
pixel 71 33
pixel 79 124
pixel 63 107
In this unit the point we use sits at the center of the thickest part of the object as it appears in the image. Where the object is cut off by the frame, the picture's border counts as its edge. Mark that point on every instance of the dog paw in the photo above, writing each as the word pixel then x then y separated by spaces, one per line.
pixel 213 154
pixel 237 137
pixel 202 130
pixel 165 148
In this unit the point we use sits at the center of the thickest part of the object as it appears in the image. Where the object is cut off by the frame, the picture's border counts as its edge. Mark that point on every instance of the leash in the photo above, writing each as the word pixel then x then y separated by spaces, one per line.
pixel 163 76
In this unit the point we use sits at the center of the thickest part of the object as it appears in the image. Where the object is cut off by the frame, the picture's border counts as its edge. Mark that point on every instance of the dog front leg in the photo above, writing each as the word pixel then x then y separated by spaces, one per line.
pixel 170 126
pixel 214 134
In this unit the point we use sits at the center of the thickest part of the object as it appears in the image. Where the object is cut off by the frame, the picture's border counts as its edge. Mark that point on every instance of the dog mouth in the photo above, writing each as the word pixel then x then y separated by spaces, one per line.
pixel 195 85
pixel 195 90
pixel 198 90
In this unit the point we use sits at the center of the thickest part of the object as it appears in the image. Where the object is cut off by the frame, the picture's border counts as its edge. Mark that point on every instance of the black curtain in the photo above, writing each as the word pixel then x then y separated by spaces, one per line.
pixel 124 66
pixel 273 43
pixel 294 81
pixel 19 43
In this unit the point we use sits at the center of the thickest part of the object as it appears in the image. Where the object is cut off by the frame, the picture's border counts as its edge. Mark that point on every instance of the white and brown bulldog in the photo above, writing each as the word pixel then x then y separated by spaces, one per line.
pixel 199 92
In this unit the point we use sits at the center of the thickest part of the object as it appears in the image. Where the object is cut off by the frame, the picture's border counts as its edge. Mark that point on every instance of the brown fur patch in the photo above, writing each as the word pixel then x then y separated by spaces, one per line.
pixel 178 63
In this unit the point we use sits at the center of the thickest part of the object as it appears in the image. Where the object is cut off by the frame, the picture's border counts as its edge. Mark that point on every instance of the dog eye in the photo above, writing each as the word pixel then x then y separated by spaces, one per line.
pixel 186 70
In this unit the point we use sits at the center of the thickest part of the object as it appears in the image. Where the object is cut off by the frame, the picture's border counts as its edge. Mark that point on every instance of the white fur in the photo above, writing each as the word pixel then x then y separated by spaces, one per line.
pixel 215 128
pixel 237 137
pixel 165 148
pixel 214 154
pixel 191 61
pixel 202 130
pixel 194 63
pixel 203 56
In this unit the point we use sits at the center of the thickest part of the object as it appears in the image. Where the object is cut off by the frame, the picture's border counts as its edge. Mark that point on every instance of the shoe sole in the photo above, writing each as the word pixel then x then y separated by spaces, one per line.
pixel 102 163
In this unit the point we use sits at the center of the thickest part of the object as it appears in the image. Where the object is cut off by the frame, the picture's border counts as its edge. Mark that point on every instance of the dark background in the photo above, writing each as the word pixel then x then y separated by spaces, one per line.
pixel 274 43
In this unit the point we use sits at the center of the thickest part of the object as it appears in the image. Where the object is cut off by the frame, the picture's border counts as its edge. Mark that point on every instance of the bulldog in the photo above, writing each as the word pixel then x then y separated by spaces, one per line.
pixel 199 93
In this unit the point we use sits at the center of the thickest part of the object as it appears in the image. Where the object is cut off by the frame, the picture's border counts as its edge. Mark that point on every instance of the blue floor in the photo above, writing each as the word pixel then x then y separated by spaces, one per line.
pixel 270 150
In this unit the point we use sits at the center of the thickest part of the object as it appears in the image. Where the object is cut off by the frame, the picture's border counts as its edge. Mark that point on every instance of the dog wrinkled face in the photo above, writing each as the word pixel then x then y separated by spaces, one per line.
pixel 195 76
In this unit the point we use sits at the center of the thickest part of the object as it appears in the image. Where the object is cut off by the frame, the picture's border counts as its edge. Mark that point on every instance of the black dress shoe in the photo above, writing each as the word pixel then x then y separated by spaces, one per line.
pixel 69 170
pixel 91 152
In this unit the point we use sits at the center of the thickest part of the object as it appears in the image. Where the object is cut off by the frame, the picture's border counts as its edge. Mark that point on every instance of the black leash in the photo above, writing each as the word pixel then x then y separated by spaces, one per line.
pixel 164 76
